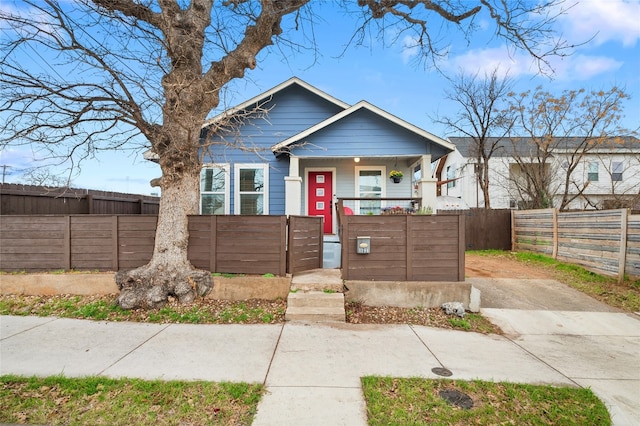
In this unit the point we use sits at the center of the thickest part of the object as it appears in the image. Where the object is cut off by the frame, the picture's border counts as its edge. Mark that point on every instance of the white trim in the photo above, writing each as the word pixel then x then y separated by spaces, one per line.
pixel 333 172
pixel 236 185
pixel 256 100
pixel 227 185
pixel 364 105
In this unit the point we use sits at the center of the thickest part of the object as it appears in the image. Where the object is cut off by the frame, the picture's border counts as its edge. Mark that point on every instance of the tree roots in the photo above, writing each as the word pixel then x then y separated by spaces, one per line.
pixel 150 288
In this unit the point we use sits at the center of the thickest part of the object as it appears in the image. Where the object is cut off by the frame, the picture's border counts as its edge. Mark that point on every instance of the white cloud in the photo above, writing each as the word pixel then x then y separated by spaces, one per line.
pixel 584 67
pixel 573 67
pixel 485 61
pixel 605 20
pixel 410 48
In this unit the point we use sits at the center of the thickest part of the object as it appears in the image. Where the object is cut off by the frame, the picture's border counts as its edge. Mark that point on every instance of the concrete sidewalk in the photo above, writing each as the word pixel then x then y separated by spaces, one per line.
pixel 312 371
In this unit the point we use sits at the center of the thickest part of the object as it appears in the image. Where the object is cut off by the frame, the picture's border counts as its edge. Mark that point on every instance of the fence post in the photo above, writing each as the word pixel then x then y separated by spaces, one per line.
pixel 554 252
pixel 408 249
pixel 67 243
pixel 462 238
pixel 283 246
pixel 622 258
pixel 89 199
pixel 344 242
pixel 115 242
pixel 213 242
pixel 513 230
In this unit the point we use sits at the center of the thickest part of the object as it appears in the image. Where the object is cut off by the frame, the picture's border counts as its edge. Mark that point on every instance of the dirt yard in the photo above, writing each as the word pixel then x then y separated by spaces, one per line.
pixel 502 267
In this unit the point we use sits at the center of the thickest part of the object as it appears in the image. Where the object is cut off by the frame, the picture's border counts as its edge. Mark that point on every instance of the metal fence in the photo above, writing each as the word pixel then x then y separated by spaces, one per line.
pixel 604 241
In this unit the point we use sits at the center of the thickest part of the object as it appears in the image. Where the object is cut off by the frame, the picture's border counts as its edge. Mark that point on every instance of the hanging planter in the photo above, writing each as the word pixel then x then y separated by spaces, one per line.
pixel 396 176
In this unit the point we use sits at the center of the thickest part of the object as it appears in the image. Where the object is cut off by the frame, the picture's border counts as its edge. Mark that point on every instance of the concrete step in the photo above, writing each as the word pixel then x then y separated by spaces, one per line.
pixel 315 306
pixel 316 299
pixel 311 314
pixel 318 280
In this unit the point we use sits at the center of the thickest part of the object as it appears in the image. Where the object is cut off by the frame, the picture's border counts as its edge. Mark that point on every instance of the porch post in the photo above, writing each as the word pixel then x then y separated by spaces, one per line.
pixel 427 184
pixel 293 188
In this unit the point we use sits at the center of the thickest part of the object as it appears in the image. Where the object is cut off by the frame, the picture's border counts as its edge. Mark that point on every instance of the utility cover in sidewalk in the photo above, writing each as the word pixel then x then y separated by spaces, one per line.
pixel 441 371
pixel 457 398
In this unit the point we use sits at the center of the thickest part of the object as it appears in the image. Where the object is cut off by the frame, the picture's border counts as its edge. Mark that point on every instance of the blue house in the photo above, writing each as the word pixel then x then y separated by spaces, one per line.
pixel 293 150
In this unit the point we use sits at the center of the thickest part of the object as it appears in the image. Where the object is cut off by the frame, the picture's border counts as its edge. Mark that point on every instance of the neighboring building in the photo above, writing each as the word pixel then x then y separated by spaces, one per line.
pixel 296 149
pixel 610 172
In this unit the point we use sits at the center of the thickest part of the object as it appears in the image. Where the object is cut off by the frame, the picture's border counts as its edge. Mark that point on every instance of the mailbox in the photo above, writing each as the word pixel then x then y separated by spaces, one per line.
pixel 363 245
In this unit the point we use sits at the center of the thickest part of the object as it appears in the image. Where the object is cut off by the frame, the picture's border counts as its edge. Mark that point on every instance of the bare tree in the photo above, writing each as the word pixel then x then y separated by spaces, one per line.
pixel 554 136
pixel 147 73
pixel 481 117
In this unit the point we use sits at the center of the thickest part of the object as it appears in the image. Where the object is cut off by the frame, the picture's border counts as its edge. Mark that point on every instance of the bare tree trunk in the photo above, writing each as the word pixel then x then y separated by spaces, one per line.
pixel 169 273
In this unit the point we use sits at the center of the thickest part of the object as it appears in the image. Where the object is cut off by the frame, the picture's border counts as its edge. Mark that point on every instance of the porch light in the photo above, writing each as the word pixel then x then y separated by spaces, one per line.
pixel 357 159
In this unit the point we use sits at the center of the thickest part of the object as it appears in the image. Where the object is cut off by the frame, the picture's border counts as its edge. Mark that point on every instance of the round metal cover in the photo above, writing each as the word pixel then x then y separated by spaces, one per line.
pixel 456 398
pixel 441 371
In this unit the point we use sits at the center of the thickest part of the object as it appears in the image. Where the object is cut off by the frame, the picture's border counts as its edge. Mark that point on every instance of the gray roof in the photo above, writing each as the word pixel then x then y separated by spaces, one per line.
pixel 505 147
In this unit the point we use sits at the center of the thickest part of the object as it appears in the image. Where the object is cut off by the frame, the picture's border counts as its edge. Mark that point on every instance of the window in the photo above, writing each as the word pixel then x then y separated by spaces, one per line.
pixel 451 174
pixel 370 184
pixel 214 185
pixel 592 171
pixel 251 189
pixel 616 171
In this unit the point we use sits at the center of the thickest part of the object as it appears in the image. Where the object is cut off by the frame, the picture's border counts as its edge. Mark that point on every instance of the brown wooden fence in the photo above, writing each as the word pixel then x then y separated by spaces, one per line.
pixel 485 229
pixel 234 244
pixel 404 247
pixel 18 199
pixel 605 241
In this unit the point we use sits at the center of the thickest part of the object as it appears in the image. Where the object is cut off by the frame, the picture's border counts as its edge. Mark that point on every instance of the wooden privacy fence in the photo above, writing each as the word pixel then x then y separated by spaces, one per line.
pixel 404 247
pixel 235 244
pixel 18 199
pixel 604 241
pixel 485 229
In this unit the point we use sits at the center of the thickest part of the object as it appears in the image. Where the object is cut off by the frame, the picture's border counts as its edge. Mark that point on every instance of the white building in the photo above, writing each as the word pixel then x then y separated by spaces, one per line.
pixel 607 177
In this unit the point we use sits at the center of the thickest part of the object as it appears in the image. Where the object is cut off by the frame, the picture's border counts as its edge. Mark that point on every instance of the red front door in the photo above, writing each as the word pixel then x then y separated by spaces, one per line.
pixel 320 189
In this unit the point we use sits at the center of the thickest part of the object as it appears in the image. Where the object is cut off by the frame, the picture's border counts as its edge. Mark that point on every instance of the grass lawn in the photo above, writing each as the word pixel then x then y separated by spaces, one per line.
pixel 417 401
pixel 102 401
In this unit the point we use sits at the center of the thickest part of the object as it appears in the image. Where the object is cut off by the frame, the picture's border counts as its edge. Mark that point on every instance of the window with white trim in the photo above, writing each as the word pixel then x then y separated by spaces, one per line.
pixel 369 184
pixel 251 189
pixel 214 189
pixel 451 176
pixel 592 171
pixel 617 168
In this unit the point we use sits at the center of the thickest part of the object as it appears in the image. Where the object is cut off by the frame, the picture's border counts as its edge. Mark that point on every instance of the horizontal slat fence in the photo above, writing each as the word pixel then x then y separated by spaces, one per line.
pixel 234 244
pixel 404 247
pixel 305 245
pixel 16 199
pixel 239 244
pixel 604 241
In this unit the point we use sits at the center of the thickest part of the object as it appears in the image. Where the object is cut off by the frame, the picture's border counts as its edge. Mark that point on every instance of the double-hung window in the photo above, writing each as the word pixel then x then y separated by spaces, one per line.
pixel 617 168
pixel 251 189
pixel 214 189
pixel 592 171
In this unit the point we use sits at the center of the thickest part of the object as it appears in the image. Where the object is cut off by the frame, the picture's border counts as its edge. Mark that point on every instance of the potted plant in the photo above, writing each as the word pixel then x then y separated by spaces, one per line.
pixel 396 176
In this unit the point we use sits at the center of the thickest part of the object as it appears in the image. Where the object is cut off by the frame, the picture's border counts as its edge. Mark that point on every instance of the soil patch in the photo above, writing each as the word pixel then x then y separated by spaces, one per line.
pixel 503 266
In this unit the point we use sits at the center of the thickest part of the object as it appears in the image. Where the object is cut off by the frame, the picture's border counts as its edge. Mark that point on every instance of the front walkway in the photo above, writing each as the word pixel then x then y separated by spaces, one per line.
pixel 312 371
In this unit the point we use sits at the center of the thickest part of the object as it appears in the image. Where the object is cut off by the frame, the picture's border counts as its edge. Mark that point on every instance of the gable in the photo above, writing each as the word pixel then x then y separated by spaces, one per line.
pixel 269 118
pixel 364 130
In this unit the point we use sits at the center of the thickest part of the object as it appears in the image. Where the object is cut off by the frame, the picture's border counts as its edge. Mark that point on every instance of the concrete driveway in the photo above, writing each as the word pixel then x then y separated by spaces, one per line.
pixel 534 294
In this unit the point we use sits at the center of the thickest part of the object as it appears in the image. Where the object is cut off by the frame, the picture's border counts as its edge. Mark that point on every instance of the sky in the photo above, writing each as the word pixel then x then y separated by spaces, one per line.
pixel 607 53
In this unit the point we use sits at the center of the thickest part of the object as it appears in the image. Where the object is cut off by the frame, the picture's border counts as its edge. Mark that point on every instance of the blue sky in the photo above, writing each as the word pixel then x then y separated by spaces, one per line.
pixel 390 77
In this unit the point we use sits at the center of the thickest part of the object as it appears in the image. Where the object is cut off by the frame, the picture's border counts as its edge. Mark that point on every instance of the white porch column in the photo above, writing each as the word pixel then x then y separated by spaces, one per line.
pixel 427 184
pixel 293 188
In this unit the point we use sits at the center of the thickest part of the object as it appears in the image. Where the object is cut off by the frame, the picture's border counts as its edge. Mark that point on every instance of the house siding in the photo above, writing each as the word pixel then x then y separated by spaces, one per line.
pixel 290 111
pixel 501 193
pixel 363 134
